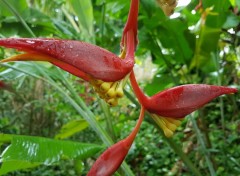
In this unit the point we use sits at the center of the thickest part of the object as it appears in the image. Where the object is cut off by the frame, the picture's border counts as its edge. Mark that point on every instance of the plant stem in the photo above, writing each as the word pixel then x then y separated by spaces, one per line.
pixel 85 113
pixel 103 21
pixel 219 82
pixel 108 118
pixel 182 155
pixel 134 132
pixel 94 124
pixel 169 65
pixel 142 98
pixel 203 146
pixel 71 20
pixel 176 148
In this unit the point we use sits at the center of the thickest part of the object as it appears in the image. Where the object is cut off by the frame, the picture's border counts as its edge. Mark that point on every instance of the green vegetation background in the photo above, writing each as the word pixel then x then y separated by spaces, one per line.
pixel 195 47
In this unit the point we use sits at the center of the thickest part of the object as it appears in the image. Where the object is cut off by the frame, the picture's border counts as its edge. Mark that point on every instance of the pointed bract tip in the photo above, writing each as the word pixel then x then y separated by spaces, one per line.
pixel 182 100
pixel 87 58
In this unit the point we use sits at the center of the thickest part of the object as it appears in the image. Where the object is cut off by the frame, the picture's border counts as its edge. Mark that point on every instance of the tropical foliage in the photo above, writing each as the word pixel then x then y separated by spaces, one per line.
pixel 199 43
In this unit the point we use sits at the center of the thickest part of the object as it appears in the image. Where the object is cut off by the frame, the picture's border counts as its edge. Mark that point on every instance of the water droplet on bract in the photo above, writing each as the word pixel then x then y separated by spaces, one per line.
pixel 31 42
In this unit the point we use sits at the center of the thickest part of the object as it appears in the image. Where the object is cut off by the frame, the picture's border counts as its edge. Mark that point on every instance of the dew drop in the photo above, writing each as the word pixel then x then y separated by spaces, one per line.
pixel 31 42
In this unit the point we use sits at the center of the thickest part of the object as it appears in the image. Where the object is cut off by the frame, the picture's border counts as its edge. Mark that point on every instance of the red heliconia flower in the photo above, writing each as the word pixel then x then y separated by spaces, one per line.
pixel 5 86
pixel 108 74
pixel 182 100
pixel 167 108
pixel 131 26
pixel 79 58
pixel 170 106
pixel 104 70
pixel 112 158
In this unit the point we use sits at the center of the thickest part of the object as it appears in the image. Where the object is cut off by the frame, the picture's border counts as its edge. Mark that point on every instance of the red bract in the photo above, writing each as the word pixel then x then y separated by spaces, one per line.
pixel 5 86
pixel 2 84
pixel 104 70
pixel 108 74
pixel 79 58
pixel 112 158
pixel 131 25
pixel 170 106
pixel 180 101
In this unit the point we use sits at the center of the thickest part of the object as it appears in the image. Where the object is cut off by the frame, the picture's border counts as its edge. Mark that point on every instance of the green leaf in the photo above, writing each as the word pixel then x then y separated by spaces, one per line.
pixel 232 21
pixel 218 15
pixel 84 12
pixel 71 128
pixel 26 152
pixel 79 166
pixel 178 37
pixel 160 82
pixel 238 4
pixel 233 2
pixel 16 165
pixel 21 6
pixel 205 44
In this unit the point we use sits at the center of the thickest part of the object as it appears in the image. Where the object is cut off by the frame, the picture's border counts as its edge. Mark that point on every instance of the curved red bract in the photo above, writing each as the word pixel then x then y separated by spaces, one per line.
pixel 177 102
pixel 88 58
pixel 182 100
pixel 89 61
pixel 112 158
pixel 132 22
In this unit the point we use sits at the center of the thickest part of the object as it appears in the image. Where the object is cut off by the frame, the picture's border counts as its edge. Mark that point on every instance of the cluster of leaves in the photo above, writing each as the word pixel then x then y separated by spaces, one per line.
pixel 198 46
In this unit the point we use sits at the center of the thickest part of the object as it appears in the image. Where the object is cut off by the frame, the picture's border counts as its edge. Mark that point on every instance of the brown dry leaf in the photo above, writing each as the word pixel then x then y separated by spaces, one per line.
pixel 167 6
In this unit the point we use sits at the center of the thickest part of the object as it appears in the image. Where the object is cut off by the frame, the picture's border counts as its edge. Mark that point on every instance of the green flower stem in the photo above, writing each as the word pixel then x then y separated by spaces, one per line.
pixel 181 154
pixel 203 146
pixel 177 149
pixel 107 140
pixel 131 98
pixel 71 20
pixel 103 20
pixel 169 65
pixel 219 82
pixel 84 112
pixel 108 118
